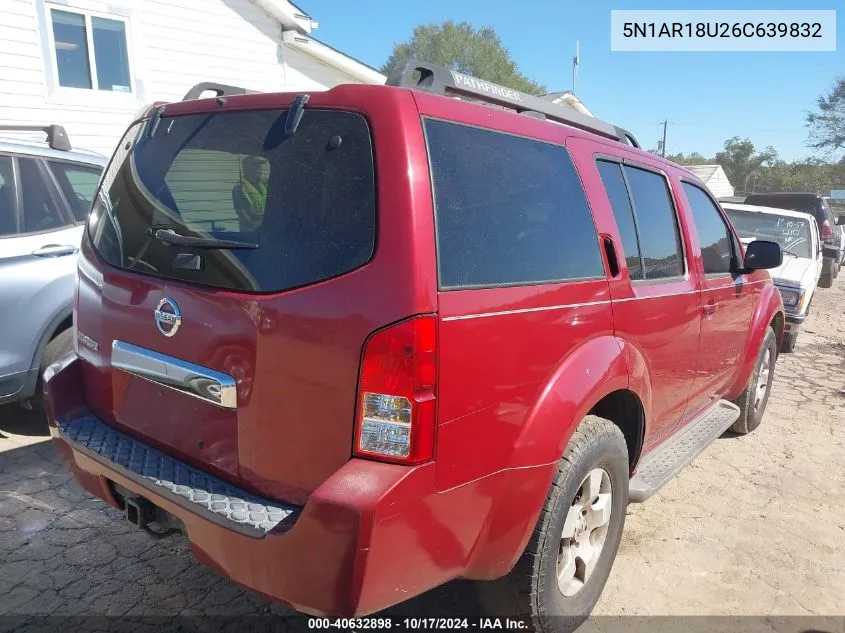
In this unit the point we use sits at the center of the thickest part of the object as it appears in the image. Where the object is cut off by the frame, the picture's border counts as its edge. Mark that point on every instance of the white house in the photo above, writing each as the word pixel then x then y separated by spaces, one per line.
pixel 715 178
pixel 90 65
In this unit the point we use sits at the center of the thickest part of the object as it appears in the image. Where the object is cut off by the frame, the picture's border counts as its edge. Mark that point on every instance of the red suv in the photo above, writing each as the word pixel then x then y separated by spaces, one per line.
pixel 357 343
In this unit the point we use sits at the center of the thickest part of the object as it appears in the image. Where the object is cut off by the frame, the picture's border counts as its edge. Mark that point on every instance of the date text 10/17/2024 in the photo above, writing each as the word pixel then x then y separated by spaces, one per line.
pixel 417 624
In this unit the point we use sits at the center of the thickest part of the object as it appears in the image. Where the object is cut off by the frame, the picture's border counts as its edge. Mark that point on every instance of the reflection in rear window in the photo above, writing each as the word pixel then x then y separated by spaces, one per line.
pixel 307 201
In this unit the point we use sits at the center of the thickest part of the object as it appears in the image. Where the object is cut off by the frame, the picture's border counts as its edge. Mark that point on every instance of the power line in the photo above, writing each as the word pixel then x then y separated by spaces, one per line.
pixel 737 127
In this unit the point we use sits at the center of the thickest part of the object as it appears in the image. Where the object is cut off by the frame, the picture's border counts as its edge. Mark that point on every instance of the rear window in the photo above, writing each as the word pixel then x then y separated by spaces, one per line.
pixel 509 210
pixel 793 234
pixel 305 204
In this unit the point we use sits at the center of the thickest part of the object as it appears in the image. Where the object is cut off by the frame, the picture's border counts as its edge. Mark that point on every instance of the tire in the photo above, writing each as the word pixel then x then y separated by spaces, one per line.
pixel 788 345
pixel 752 402
pixel 595 463
pixel 826 278
pixel 59 345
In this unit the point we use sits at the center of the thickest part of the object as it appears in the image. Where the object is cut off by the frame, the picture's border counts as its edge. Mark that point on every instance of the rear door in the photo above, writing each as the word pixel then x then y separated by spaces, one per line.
pixel 38 243
pixel 726 299
pixel 656 305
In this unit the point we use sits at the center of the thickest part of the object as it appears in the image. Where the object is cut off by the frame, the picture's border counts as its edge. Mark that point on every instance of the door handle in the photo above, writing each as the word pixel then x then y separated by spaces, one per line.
pixel 54 250
pixel 710 308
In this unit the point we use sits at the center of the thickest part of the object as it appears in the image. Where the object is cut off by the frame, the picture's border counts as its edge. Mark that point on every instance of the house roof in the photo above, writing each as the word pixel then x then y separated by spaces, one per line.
pixel 706 172
pixel 297 26
pixel 568 98
pixel 289 15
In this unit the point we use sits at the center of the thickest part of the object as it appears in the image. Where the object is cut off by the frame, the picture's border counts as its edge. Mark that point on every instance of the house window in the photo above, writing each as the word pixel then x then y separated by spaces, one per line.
pixel 91 52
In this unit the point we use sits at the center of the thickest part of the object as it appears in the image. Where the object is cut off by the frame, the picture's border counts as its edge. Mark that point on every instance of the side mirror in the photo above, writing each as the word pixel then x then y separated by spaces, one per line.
pixel 761 254
pixel 840 219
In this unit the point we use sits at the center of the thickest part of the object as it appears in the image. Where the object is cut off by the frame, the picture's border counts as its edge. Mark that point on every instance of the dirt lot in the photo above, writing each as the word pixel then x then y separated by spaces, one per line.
pixel 755 526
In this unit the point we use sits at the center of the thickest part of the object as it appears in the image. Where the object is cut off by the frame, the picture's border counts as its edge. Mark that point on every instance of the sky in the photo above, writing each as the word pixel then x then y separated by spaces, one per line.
pixel 707 97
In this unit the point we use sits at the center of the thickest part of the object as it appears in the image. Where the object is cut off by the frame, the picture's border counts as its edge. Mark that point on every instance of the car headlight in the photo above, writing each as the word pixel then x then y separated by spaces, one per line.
pixel 790 297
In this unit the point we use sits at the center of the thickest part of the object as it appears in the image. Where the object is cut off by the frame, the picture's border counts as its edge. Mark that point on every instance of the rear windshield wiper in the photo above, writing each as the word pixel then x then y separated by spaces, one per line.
pixel 172 238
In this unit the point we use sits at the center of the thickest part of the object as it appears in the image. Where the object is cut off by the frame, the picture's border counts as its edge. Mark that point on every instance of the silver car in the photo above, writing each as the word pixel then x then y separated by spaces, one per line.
pixel 45 193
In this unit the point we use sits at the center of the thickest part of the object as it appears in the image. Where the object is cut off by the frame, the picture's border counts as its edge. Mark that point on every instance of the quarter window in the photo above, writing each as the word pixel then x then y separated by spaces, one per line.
pixel 713 234
pixel 617 192
pixel 660 240
pixel 91 52
pixel 509 210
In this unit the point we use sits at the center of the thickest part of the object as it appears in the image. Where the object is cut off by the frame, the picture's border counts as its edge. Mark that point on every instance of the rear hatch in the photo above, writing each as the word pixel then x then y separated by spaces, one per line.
pixel 226 290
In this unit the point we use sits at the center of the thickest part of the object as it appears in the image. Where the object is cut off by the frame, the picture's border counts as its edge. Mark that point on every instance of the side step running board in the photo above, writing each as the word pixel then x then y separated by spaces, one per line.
pixel 668 459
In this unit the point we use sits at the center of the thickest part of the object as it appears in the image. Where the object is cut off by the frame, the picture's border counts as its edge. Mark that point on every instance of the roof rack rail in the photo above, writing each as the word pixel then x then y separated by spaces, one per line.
pixel 56 135
pixel 221 90
pixel 421 75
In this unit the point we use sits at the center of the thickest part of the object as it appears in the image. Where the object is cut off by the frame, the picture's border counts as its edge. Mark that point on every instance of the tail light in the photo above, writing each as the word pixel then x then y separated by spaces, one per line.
pixel 827 231
pixel 395 418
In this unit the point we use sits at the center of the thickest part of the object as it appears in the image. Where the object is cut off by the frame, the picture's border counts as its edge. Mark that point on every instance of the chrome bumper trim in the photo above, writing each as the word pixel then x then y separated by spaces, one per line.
pixel 194 380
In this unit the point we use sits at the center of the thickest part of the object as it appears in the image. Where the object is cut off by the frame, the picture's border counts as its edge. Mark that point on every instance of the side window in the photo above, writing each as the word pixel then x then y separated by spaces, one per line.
pixel 660 240
pixel 78 183
pixel 617 192
pixel 713 234
pixel 8 213
pixel 40 211
pixel 509 210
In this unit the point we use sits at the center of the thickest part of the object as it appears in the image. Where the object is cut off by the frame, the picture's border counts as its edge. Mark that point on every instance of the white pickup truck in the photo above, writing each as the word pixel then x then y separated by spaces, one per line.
pixel 798 275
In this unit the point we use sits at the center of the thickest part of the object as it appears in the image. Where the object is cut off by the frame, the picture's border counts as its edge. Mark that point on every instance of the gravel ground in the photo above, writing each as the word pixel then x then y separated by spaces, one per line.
pixel 755 526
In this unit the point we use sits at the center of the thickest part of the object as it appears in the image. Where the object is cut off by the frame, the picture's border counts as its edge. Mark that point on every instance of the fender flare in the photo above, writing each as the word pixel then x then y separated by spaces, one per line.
pixel 769 307
pixel 47 335
pixel 588 374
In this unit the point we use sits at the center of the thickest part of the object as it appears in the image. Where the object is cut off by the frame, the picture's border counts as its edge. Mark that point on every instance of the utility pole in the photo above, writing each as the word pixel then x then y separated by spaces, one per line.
pixel 663 147
pixel 576 61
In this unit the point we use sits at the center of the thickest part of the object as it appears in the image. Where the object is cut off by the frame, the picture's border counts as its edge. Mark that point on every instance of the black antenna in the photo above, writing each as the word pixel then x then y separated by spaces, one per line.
pixel 420 75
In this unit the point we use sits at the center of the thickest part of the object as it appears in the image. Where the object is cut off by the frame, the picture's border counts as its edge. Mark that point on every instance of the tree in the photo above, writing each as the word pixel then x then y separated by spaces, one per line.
pixel 827 126
pixel 461 47
pixel 688 159
pixel 740 159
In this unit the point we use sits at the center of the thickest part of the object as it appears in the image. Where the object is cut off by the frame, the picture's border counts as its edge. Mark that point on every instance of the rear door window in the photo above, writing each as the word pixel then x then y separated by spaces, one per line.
pixel 304 204
pixel 509 210
pixel 8 198
pixel 78 184
pixel 623 212
pixel 660 239
pixel 41 209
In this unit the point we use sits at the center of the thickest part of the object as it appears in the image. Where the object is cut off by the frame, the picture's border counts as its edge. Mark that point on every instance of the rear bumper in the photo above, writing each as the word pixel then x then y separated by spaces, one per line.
pixel 369 537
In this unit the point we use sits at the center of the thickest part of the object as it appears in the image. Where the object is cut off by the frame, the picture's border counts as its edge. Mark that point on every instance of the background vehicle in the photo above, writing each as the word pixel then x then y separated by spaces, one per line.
pixel 45 192
pixel 830 233
pixel 797 277
pixel 551 323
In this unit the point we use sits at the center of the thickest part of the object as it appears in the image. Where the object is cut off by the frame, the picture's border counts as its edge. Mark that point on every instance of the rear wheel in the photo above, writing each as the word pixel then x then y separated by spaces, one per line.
pixel 752 402
pixel 561 574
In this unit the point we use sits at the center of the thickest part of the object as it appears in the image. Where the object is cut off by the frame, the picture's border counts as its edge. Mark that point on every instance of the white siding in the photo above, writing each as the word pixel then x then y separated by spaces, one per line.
pixel 305 72
pixel 174 44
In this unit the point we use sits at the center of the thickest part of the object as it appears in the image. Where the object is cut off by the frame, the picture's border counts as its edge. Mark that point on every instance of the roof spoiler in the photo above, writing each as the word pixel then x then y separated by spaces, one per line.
pixel 420 75
pixel 220 90
pixel 56 135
